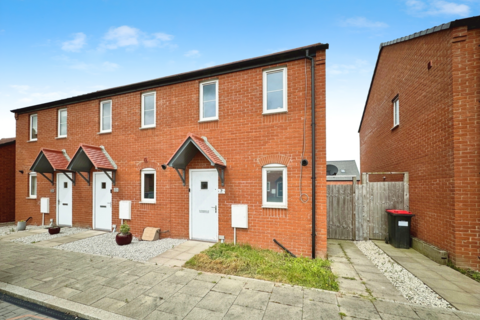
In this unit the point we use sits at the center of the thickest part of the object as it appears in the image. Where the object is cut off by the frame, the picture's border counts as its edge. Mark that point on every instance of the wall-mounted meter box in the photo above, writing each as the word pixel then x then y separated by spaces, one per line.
pixel 125 208
pixel 239 216
pixel 44 205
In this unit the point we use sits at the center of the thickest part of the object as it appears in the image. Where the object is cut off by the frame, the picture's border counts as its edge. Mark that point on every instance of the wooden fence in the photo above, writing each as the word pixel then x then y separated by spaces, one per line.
pixel 357 212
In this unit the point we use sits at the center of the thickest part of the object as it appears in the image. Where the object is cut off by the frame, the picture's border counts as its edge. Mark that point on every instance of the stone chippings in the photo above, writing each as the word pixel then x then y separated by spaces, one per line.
pixel 412 288
pixel 47 236
pixel 105 245
pixel 6 230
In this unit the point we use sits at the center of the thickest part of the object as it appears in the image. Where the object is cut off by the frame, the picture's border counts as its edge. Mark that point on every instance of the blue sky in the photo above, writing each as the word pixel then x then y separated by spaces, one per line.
pixel 56 49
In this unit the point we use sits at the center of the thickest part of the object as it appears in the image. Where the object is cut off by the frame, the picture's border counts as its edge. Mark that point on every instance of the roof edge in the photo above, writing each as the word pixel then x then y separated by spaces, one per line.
pixel 278 57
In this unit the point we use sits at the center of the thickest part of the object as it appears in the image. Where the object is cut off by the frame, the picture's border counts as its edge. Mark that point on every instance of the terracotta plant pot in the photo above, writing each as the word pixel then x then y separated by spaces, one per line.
pixel 54 230
pixel 123 239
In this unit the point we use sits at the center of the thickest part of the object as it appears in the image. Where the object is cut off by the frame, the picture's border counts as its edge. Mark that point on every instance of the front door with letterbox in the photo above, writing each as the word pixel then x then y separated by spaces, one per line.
pixel 64 200
pixel 204 204
pixel 102 201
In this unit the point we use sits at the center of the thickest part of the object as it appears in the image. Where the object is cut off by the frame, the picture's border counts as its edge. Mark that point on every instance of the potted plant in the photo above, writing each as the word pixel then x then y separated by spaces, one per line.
pixel 124 237
pixel 54 229
pixel 22 224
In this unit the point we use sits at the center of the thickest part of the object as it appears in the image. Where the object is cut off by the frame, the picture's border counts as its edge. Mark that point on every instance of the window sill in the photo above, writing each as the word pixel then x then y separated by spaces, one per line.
pixel 65 137
pixel 145 128
pixel 207 120
pixel 31 198
pixel 269 206
pixel 32 140
pixel 104 132
pixel 395 127
pixel 274 112
pixel 143 202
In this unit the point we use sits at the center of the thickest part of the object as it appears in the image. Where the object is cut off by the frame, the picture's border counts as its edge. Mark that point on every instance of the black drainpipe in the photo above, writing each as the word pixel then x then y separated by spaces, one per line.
pixel 312 71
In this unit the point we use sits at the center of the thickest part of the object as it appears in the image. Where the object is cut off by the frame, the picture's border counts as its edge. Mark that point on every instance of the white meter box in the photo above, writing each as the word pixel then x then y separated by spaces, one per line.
pixel 125 208
pixel 239 216
pixel 44 205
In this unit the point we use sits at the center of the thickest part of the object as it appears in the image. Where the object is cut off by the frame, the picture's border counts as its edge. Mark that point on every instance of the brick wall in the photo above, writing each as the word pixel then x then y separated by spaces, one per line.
pixel 243 136
pixel 7 182
pixel 437 139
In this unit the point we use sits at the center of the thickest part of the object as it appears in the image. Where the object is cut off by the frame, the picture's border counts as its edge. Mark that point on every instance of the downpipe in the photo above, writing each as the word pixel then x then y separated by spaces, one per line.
pixel 312 72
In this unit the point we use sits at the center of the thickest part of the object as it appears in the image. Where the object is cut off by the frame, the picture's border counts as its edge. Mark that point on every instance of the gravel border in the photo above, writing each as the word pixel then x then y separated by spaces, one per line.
pixel 412 288
pixel 6 230
pixel 105 245
pixel 46 236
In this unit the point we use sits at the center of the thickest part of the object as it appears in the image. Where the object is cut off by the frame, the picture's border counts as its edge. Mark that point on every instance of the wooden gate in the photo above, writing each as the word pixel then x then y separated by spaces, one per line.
pixel 357 212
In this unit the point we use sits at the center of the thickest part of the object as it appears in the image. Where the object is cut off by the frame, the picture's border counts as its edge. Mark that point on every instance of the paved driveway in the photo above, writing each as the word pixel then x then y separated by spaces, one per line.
pixel 96 287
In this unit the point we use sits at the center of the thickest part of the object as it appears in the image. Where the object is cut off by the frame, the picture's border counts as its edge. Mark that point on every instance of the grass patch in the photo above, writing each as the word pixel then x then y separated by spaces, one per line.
pixel 246 261
pixel 475 275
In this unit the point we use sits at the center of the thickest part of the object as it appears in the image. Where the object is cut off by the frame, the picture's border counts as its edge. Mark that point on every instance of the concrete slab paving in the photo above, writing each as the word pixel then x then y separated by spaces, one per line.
pixel 177 256
pixel 217 301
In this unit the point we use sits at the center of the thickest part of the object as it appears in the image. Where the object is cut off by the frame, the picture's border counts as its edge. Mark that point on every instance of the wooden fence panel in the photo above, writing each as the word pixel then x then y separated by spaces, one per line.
pixel 339 212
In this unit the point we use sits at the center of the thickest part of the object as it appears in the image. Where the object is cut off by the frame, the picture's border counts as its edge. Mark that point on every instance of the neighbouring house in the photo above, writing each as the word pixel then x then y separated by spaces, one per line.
pixel 422 116
pixel 342 172
pixel 183 149
pixel 7 180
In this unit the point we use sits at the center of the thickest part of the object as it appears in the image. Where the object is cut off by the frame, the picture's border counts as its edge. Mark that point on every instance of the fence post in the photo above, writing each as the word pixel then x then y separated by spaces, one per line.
pixel 366 232
pixel 354 208
pixel 406 195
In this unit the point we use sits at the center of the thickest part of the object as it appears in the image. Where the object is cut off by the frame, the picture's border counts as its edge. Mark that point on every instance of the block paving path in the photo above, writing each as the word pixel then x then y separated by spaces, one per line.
pixel 97 287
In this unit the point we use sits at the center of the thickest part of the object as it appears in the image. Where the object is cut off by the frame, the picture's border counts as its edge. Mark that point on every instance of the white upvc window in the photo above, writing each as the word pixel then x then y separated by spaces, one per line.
pixel 274 186
pixel 33 127
pixel 209 100
pixel 148 186
pixel 32 185
pixel 148 110
pixel 396 112
pixel 275 90
pixel 106 116
pixel 62 123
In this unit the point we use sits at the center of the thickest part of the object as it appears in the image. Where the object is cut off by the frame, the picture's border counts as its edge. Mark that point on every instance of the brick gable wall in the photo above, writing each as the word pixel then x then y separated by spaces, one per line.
pixel 243 136
pixel 7 182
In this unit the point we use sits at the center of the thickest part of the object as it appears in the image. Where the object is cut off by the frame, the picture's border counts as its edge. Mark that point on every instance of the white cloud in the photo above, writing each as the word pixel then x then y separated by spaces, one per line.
pixel 362 22
pixel 20 88
pixel 437 7
pixel 130 37
pixel 79 40
pixel 359 66
pixel 192 53
pixel 109 66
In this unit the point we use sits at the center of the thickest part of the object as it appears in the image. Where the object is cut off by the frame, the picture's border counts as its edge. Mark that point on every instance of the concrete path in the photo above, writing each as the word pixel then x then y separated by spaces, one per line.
pixel 461 291
pixel 54 241
pixel 177 256
pixel 357 274
pixel 22 234
pixel 96 287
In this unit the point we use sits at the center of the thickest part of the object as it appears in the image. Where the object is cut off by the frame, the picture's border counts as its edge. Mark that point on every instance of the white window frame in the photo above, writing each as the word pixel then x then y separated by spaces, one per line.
pixel 59 124
pixel 31 127
pixel 154 109
pixel 144 172
pixel 396 112
pixel 285 89
pixel 101 116
pixel 202 118
pixel 30 195
pixel 274 167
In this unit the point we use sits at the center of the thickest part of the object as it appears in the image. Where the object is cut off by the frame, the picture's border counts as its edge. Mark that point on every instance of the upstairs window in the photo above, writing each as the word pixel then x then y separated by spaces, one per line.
pixel 32 185
pixel 274 184
pixel 148 186
pixel 275 90
pixel 148 110
pixel 33 127
pixel 396 112
pixel 106 116
pixel 209 100
pixel 62 123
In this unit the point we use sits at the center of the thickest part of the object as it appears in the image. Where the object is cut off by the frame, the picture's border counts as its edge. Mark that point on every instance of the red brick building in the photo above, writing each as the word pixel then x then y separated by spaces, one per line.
pixel 184 149
pixel 422 117
pixel 7 180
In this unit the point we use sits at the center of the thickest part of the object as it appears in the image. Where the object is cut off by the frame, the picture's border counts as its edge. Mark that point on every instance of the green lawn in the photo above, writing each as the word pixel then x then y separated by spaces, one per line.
pixel 246 261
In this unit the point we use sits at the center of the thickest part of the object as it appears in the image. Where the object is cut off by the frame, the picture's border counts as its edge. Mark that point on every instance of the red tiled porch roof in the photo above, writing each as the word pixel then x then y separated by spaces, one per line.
pixel 97 156
pixel 56 158
pixel 205 147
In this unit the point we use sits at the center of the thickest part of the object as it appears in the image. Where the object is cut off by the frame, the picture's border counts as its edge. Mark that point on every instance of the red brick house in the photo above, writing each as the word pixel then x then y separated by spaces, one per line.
pixel 7 180
pixel 422 116
pixel 184 149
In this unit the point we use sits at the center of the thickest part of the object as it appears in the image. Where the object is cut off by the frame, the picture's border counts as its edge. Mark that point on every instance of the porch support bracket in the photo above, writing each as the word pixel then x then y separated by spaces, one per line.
pixel 221 173
pixel 51 180
pixel 73 179
pixel 181 175
pixel 86 179
pixel 112 177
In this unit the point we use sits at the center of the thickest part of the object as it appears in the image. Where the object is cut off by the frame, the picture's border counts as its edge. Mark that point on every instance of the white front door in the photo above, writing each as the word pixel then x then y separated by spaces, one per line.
pixel 102 201
pixel 64 200
pixel 204 204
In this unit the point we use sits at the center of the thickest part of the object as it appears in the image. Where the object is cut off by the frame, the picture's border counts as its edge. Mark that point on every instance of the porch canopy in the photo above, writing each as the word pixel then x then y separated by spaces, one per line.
pixel 50 161
pixel 189 148
pixel 88 157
